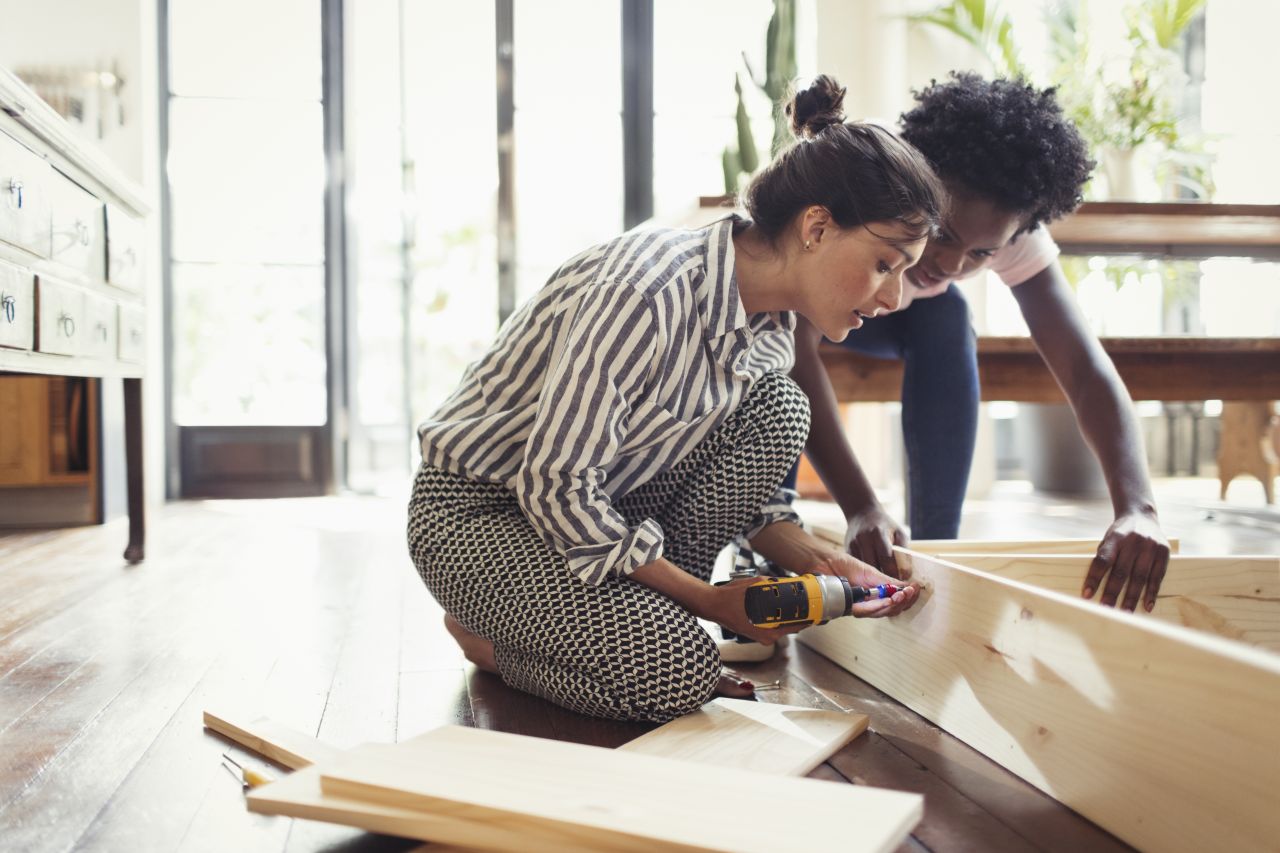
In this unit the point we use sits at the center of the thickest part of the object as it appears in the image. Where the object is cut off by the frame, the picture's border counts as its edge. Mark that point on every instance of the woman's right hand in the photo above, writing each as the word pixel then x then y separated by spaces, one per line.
pixel 728 607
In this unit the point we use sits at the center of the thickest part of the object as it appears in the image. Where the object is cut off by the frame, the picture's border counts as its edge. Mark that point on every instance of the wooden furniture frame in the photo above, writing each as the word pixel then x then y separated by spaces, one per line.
pixel 72 234
pixel 1162 734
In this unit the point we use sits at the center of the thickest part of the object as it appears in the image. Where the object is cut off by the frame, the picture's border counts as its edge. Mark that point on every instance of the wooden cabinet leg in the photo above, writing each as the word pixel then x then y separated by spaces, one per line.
pixel 133 464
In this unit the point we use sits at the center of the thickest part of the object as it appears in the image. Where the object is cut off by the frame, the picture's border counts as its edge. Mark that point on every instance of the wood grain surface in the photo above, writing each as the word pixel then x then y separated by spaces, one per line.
pixel 1151 730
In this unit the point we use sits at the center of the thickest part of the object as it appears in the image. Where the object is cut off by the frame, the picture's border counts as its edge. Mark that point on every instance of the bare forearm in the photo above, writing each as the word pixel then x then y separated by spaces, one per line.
pixel 1087 376
pixel 681 587
pixel 1110 426
pixel 827 447
pixel 792 547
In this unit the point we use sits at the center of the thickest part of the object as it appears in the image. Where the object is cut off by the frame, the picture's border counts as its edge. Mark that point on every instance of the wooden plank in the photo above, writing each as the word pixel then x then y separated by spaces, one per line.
pixel 585 797
pixel 726 739
pixel 270 739
pixel 785 740
pixel 1233 597
pixel 1156 733
pixel 299 795
pixel 971 802
pixel 759 736
pixel 1085 545
pixel 1168 368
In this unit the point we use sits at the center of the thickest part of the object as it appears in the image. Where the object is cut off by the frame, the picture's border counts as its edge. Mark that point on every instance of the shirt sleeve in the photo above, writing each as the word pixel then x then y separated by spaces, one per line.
pixel 1025 256
pixel 580 424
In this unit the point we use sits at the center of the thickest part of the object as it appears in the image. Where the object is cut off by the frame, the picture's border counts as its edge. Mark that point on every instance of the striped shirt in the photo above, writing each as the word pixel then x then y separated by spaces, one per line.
pixel 631 354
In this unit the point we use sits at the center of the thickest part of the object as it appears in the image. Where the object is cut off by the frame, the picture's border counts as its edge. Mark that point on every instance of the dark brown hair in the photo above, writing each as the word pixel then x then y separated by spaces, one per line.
pixel 860 172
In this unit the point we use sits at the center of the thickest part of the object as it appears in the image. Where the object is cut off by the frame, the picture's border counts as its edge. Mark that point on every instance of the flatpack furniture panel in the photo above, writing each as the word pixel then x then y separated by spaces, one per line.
pixel 1233 597
pixel 989 546
pixel 784 740
pixel 1162 735
pixel 72 276
pixel 573 797
pixel 780 739
pixel 757 738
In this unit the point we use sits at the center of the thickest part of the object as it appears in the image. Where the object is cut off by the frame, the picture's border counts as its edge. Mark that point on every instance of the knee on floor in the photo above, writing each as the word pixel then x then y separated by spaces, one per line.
pixel 660 688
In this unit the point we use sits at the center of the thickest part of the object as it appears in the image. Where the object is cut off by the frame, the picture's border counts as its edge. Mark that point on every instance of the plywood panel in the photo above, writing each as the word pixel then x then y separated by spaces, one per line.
pixel 584 797
pixel 1164 736
pixel 1233 597
pixel 758 736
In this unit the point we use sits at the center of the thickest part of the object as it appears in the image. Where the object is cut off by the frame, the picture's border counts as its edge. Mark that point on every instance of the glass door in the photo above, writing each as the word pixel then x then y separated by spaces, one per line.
pixel 245 173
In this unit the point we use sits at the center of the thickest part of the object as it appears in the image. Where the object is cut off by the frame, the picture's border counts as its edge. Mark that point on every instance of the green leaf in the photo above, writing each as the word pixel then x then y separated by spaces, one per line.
pixel 732 167
pixel 748 156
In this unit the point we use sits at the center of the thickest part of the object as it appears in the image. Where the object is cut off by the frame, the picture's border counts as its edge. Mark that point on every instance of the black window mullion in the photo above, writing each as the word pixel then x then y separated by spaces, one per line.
pixel 504 17
pixel 637 110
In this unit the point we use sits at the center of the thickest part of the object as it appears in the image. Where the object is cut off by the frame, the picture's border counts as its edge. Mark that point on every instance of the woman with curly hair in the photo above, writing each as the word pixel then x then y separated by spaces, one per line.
pixel 1011 162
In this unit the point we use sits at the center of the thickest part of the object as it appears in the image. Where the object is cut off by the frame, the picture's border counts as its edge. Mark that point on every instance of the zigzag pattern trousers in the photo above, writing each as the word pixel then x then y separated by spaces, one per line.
pixel 619 650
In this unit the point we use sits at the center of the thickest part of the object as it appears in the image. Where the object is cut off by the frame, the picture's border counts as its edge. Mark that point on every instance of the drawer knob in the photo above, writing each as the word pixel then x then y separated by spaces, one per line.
pixel 15 193
pixel 10 307
pixel 101 329
pixel 68 324
pixel 82 233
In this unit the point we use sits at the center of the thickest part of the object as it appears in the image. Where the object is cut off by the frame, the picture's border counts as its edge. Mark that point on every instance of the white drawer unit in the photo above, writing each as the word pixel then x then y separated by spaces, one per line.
pixel 60 318
pixel 70 306
pixel 101 327
pixel 17 307
pixel 133 329
pixel 79 229
pixel 24 197
pixel 125 239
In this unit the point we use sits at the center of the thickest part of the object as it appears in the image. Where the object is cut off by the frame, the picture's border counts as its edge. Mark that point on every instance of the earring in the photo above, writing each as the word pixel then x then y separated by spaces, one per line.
pixel 806 245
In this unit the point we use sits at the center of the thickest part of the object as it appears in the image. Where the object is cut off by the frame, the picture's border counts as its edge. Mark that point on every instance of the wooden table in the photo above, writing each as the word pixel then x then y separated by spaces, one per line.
pixel 1164 368
pixel 1171 230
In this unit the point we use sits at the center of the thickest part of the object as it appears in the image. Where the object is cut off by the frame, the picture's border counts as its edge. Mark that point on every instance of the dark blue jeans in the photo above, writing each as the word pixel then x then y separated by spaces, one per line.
pixel 935 340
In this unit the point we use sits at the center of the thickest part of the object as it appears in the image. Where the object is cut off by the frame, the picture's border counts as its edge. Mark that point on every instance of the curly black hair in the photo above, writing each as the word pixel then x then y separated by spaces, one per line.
pixel 1004 140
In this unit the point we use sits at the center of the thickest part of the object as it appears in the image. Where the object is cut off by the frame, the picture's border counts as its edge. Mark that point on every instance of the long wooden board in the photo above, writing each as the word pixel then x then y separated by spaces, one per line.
pixel 576 797
pixel 776 739
pixel 758 736
pixel 1234 597
pixel 270 739
pixel 988 546
pixel 782 740
pixel 1164 736
pixel 298 795
pixel 785 740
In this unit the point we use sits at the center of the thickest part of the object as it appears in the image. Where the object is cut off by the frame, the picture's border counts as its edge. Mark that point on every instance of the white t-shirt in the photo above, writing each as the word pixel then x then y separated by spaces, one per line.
pixel 1014 262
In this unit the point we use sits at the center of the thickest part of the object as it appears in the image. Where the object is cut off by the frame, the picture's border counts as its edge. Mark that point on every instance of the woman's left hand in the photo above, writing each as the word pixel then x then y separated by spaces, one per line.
pixel 859 573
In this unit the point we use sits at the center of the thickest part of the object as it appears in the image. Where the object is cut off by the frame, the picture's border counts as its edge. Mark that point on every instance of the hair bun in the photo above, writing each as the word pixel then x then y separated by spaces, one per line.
pixel 815 107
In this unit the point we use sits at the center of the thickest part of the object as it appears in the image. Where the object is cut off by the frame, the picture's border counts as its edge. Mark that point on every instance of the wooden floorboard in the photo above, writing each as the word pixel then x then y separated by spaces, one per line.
pixel 308 611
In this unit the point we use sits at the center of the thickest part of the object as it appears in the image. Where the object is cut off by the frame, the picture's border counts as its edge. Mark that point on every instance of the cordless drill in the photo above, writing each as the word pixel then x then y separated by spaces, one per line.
pixel 804 600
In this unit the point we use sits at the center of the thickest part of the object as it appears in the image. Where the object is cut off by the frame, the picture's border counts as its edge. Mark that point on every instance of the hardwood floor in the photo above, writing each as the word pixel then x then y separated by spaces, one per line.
pixel 308 611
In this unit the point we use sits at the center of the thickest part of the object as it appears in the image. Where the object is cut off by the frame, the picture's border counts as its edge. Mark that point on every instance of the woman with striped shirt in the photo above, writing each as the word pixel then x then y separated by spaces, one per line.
pixel 635 417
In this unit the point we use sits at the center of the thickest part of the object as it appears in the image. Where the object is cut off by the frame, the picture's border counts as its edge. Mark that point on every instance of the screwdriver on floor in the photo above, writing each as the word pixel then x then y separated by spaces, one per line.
pixel 248 777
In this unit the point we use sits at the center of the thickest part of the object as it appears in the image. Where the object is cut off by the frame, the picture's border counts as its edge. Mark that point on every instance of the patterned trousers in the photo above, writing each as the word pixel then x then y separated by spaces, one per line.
pixel 619 650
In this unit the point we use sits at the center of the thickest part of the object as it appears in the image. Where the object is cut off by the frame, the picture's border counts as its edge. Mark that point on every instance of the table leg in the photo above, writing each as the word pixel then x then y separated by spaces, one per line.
pixel 133 465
